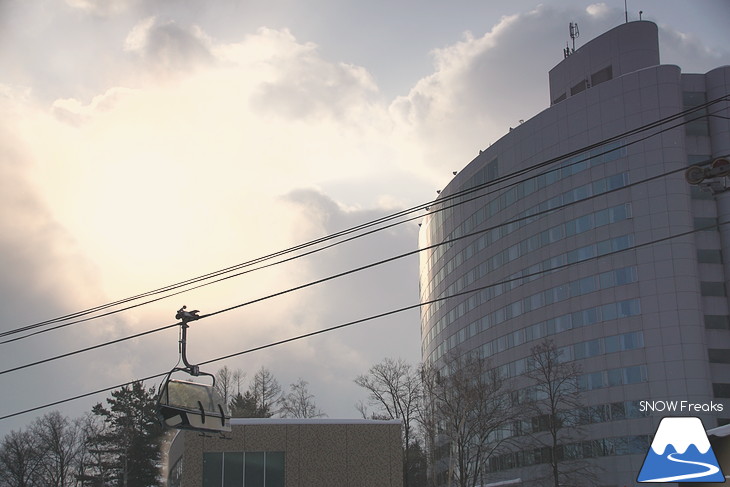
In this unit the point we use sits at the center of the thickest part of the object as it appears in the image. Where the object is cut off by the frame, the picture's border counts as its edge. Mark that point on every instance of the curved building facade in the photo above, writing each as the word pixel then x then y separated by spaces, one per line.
pixel 598 251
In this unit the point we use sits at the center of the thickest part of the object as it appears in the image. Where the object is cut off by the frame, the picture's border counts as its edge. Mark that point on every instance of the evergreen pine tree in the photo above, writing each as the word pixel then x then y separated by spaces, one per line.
pixel 129 444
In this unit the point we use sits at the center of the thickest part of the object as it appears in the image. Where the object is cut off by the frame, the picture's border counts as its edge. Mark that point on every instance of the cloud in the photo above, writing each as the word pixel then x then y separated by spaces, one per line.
pixel 689 52
pixel 101 8
pixel 167 46
pixel 304 84
pixel 167 177
pixel 598 10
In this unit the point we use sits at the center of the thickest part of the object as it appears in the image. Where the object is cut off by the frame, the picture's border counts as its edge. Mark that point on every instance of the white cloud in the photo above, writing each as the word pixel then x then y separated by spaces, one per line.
pixel 102 8
pixel 598 9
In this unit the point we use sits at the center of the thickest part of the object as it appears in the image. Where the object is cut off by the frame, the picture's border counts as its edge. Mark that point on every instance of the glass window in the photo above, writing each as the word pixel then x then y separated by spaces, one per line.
pixel 212 469
pixel 595 380
pixel 254 469
pixel 601 76
pixel 708 288
pixel 593 348
pixel 719 355
pixel 634 375
pixel 615 377
pixel 609 312
pixel 717 322
pixel 630 307
pixel 700 194
pixel 618 411
pixel 693 159
pixel 612 344
pixel 705 223
pixel 233 469
pixel 587 285
pixel 275 469
pixel 709 256
pixel 721 390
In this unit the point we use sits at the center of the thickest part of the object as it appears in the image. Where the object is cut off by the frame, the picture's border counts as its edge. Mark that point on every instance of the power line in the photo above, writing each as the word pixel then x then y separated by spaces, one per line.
pixel 351 271
pixel 372 223
pixel 373 317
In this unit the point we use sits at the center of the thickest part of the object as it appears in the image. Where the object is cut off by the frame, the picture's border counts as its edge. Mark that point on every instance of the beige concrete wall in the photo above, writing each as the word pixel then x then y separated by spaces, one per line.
pixel 323 453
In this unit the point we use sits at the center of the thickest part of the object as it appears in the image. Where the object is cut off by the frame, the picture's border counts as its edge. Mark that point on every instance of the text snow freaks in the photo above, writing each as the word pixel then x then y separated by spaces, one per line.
pixel 679 407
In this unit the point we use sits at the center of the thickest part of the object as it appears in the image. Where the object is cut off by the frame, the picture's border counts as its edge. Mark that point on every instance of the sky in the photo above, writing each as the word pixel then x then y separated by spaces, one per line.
pixel 145 142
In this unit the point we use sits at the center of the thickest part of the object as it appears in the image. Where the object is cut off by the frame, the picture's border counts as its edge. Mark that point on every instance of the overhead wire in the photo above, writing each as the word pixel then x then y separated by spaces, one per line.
pixel 312 283
pixel 354 270
pixel 376 316
pixel 440 201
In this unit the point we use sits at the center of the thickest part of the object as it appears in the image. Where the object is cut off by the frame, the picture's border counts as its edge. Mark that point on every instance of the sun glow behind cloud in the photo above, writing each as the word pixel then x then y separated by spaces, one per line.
pixel 199 153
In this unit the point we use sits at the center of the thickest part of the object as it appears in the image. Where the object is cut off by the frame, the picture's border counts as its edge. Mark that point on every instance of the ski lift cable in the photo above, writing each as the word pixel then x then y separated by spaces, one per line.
pixel 351 230
pixel 367 319
pixel 345 273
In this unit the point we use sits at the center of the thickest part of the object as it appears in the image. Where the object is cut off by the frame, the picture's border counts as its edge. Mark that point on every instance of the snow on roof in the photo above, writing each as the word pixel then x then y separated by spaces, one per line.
pixel 503 483
pixel 268 421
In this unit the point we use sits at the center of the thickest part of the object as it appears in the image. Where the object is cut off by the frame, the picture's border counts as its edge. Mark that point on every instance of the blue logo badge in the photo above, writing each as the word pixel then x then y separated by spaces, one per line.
pixel 682 452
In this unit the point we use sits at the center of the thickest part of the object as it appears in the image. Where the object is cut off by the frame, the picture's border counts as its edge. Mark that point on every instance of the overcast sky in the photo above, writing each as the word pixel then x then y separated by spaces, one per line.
pixel 146 142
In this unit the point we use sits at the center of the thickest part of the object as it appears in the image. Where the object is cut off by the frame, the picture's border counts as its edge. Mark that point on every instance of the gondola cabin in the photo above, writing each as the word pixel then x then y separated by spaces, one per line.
pixel 192 405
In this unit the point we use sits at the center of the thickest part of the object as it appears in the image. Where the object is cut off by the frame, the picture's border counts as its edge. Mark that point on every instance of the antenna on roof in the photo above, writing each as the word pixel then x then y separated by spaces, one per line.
pixel 574 33
pixel 626 11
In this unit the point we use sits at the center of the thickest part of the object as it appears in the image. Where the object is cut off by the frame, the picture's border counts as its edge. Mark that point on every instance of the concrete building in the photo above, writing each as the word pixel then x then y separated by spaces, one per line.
pixel 289 453
pixel 627 275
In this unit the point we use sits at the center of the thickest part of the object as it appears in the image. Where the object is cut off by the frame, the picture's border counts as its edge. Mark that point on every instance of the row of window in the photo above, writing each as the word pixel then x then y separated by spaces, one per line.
pixel 549 236
pixel 243 469
pixel 538 331
pixel 531 273
pixel 579 287
pixel 600 76
pixel 569 167
pixel 582 350
pixel 529 245
pixel 600 413
pixel 623 445
pixel 611 378
pixel 596 380
pixel 576 194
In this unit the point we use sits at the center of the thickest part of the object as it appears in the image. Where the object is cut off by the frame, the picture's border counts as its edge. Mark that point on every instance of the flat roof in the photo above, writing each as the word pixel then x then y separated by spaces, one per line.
pixel 265 421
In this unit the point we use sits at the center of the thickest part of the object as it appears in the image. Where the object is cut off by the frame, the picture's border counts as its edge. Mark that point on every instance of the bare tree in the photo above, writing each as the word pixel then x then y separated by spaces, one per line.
pixel 467 413
pixel 394 388
pixel 266 392
pixel 299 403
pixel 228 383
pixel 60 442
pixel 555 408
pixel 20 459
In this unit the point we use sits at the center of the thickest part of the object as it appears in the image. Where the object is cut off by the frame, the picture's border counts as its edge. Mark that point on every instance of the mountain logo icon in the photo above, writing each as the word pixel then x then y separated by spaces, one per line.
pixel 682 452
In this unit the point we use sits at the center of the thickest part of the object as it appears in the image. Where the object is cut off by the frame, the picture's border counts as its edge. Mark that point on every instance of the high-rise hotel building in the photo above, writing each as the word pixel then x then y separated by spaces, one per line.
pixel 628 274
